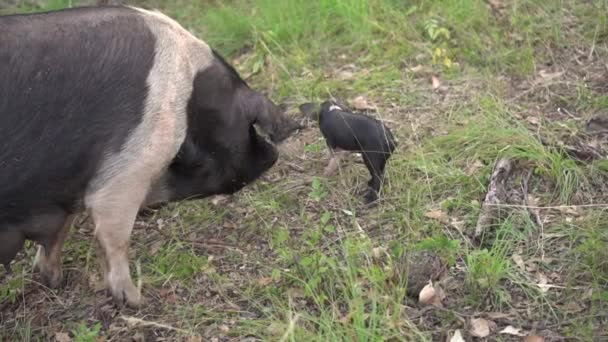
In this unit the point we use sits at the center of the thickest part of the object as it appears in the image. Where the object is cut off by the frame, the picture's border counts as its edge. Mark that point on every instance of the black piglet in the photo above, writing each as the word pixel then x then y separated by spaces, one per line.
pixel 345 131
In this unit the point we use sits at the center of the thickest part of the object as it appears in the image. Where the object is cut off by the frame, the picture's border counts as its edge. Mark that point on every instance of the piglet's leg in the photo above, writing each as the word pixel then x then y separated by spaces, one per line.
pixel 375 163
pixel 334 162
pixel 48 257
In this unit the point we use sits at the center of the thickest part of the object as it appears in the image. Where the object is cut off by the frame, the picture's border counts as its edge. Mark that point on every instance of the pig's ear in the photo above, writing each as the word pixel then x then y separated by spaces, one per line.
pixel 309 110
pixel 269 117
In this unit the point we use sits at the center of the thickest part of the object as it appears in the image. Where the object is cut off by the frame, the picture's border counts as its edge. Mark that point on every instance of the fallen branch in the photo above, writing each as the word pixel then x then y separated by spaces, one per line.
pixel 555 207
pixel 496 195
pixel 134 321
pixel 532 211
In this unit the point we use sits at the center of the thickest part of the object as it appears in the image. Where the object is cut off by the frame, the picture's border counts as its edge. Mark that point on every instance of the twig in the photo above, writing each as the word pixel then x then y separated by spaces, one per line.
pixel 138 321
pixel 290 328
pixel 531 210
pixel 556 207
pixel 534 213
pixel 495 195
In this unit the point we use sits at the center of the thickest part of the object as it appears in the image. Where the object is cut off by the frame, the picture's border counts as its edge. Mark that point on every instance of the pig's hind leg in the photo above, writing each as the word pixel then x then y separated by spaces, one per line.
pixel 48 257
pixel 375 163
pixel 12 241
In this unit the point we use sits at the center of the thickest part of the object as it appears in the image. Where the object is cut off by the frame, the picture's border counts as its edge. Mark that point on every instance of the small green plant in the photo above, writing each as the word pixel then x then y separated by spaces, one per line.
pixel 434 31
pixel 485 272
pixel 318 191
pixel 315 147
pixel 446 248
pixel 439 35
pixel 83 333
pixel 9 292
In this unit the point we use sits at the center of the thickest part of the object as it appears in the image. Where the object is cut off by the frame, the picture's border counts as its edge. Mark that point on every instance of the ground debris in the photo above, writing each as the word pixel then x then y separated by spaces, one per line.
pixel 496 195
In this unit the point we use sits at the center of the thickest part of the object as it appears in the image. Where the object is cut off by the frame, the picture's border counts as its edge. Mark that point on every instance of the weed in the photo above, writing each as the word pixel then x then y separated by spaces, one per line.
pixel 83 333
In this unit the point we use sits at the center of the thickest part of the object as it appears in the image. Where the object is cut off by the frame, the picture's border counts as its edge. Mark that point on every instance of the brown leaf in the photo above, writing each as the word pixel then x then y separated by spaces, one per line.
pixel 194 339
pixel 155 247
pixel 345 75
pixel 138 337
pixel 435 82
pixel 378 252
pixel 511 330
pixel 534 338
pixel 497 315
pixel 519 261
pixel 481 327
pixel 229 225
pixel 264 281
pixel 549 75
pixel 542 282
pixel 96 283
pixel 533 120
pixel 435 214
pixel 473 168
pixel 457 337
pixel 416 68
pixel 220 200
pixel 224 328
pixel 296 292
pixel 496 4
pixel 361 103
pixel 62 337
pixel 429 296
pixel 574 307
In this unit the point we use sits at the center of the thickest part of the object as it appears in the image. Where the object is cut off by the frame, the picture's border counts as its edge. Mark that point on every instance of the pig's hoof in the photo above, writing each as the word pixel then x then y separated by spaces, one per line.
pixel 370 197
pixel 50 272
pixel 124 292
pixel 52 278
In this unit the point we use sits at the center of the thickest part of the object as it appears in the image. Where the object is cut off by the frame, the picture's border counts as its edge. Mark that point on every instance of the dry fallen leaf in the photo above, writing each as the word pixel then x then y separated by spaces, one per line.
pixel 497 315
pixel 194 339
pixel 138 337
pixel 574 307
pixel 474 167
pixel 264 281
pixel 345 75
pixel 435 82
pixel 481 327
pixel 542 282
pixel 457 337
pixel 511 330
pixel 220 200
pixel 429 296
pixel 296 292
pixel 534 338
pixel 378 252
pixel 533 120
pixel 62 337
pixel 360 103
pixel 224 328
pixel 155 247
pixel 550 75
pixel 435 214
pixel 519 261
pixel 416 68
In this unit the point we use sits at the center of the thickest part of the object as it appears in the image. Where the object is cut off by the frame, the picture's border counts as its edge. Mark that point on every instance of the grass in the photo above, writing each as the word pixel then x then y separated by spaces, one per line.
pixel 296 257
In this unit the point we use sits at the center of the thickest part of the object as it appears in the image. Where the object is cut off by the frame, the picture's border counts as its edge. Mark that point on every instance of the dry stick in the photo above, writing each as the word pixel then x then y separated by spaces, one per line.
pixel 134 321
pixel 534 214
pixel 555 207
pixel 495 195
pixel 531 210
